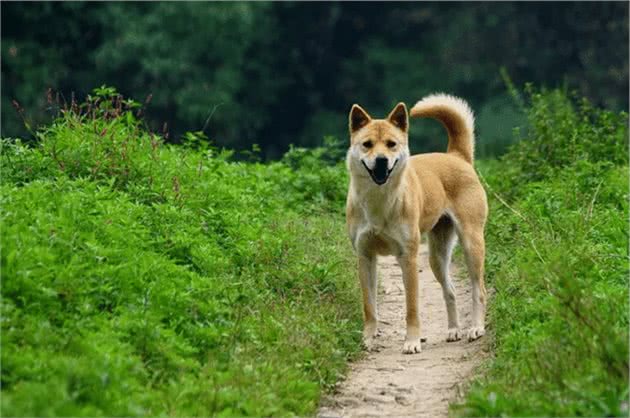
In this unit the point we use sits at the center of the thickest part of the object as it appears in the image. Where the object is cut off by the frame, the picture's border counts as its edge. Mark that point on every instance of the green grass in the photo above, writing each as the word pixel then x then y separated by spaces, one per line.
pixel 145 279
pixel 558 263
pixel 140 278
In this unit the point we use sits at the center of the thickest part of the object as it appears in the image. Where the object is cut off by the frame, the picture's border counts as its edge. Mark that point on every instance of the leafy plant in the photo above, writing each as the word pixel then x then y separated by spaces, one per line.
pixel 558 262
pixel 140 278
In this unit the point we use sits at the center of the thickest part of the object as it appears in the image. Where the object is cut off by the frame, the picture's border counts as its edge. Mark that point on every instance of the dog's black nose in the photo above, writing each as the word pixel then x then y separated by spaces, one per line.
pixel 380 161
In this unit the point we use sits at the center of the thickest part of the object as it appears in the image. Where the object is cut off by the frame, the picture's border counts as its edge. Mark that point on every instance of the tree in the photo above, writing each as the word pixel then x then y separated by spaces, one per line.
pixel 281 73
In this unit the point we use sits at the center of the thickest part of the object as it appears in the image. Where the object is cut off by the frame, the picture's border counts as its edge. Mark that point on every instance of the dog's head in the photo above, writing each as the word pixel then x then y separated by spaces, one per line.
pixel 378 147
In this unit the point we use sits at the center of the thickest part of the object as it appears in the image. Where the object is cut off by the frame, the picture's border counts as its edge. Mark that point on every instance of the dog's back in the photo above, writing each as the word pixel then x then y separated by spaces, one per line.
pixel 447 182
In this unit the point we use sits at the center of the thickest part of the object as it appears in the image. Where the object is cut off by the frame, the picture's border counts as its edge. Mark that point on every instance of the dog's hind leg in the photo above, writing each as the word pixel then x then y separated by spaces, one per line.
pixel 442 239
pixel 471 237
pixel 367 276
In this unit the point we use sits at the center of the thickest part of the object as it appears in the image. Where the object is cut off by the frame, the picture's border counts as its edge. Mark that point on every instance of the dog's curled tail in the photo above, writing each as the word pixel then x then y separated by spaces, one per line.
pixel 457 118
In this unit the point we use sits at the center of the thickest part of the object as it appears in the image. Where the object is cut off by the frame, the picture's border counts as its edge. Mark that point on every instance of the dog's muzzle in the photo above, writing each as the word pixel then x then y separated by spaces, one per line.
pixel 380 173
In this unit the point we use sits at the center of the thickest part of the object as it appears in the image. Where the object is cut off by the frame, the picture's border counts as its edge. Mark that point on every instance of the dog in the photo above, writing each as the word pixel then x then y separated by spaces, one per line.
pixel 394 197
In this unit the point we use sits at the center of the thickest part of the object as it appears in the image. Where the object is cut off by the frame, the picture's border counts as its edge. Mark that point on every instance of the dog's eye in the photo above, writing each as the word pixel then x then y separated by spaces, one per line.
pixel 367 144
pixel 391 144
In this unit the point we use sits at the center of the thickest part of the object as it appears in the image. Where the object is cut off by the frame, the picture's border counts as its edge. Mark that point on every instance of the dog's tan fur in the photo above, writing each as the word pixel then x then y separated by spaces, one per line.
pixel 438 194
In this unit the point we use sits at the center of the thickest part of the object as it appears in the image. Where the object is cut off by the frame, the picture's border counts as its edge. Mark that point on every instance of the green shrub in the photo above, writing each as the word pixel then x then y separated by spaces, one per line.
pixel 560 132
pixel 145 279
pixel 558 262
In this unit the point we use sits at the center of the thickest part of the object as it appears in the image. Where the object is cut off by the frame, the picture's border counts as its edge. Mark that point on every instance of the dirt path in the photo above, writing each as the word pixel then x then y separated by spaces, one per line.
pixel 389 383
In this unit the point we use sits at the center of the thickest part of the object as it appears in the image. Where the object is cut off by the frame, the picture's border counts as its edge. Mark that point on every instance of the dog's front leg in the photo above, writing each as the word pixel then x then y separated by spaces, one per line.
pixel 408 264
pixel 367 275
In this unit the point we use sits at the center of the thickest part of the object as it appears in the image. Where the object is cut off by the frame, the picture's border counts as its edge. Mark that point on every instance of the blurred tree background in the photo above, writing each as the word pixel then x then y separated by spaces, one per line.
pixel 282 73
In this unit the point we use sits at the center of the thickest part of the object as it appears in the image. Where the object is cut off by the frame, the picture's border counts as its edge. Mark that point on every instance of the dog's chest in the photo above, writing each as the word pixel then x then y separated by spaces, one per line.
pixel 380 230
pixel 375 217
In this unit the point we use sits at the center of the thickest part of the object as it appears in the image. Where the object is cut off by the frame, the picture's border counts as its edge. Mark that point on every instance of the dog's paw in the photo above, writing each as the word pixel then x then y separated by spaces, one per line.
pixel 454 334
pixel 371 345
pixel 370 331
pixel 412 346
pixel 475 332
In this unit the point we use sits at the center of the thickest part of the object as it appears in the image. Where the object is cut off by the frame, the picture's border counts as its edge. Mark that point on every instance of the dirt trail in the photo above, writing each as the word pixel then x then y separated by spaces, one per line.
pixel 389 383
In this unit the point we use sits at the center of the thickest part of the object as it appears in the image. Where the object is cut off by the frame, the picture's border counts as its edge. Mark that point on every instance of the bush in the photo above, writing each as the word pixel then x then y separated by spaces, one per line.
pixel 558 262
pixel 144 279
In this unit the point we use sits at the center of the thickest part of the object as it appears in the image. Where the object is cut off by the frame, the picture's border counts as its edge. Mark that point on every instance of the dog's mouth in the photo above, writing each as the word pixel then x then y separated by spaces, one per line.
pixel 380 173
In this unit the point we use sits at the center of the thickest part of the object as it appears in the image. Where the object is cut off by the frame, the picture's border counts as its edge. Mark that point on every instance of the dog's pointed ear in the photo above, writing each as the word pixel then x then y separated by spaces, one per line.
pixel 399 117
pixel 358 118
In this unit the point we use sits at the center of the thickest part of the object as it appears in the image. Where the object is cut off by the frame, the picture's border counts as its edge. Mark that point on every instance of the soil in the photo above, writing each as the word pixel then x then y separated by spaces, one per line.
pixel 388 383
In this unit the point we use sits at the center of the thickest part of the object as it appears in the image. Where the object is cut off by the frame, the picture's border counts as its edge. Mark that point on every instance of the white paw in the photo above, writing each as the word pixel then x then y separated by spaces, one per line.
pixel 475 332
pixel 412 346
pixel 370 333
pixel 372 344
pixel 454 334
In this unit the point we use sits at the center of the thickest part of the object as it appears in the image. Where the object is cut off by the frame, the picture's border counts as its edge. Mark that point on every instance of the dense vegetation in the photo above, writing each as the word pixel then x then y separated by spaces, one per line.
pixel 558 263
pixel 145 278
pixel 280 73
pixel 140 278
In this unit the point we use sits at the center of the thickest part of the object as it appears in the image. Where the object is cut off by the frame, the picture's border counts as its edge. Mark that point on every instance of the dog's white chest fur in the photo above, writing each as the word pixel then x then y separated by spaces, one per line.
pixel 378 221
pixel 376 208
pixel 374 205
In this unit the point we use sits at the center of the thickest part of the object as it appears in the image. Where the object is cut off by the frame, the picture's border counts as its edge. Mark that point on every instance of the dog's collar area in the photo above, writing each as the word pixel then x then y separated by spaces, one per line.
pixel 380 182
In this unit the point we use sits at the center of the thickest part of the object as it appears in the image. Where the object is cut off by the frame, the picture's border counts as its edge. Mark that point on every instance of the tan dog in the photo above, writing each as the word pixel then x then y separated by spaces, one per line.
pixel 394 197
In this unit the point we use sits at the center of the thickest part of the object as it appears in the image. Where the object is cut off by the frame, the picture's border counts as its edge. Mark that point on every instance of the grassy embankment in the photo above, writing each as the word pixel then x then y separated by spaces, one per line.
pixel 144 279
pixel 558 262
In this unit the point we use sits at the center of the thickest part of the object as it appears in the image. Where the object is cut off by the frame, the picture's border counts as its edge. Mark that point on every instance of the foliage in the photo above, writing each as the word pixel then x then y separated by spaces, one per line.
pixel 141 278
pixel 324 178
pixel 281 73
pixel 558 263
